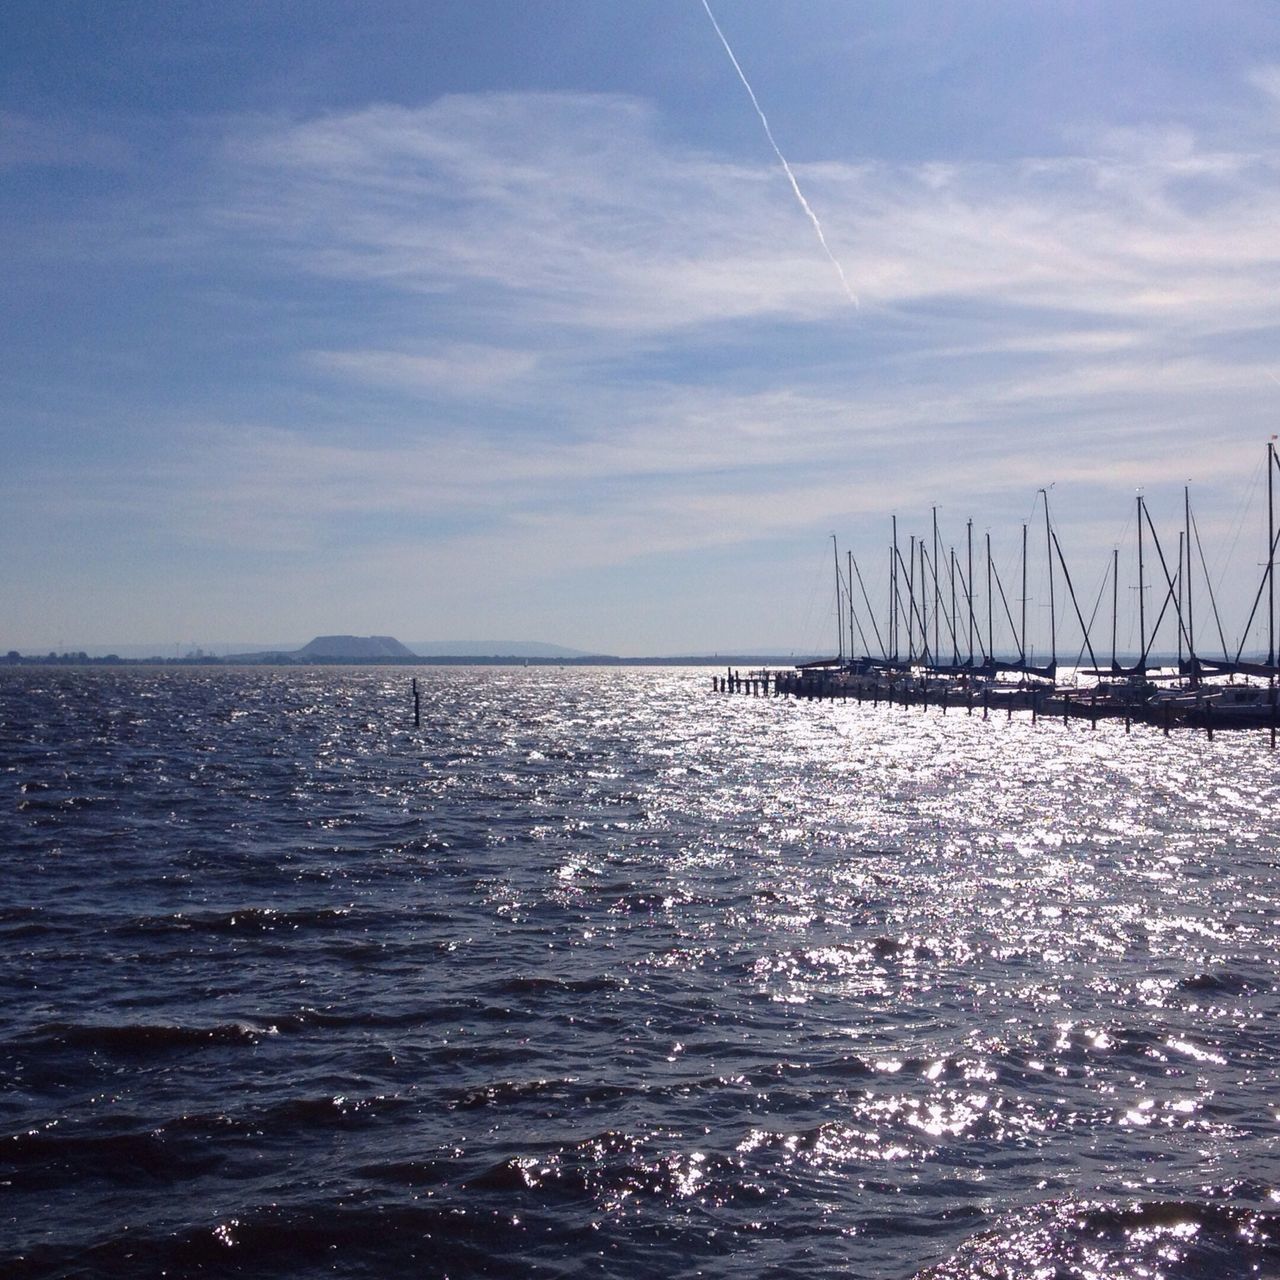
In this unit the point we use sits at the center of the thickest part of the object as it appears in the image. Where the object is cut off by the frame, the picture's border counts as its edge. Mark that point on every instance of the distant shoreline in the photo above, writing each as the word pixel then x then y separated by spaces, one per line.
pixel 436 660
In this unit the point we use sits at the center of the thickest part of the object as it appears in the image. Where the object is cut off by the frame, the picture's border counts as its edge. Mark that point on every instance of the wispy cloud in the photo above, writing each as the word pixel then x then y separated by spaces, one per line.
pixel 618 348
pixel 35 142
pixel 574 210
pixel 466 369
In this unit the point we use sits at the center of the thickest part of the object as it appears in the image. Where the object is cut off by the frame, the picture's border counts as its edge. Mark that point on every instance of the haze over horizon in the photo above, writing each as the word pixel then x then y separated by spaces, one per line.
pixel 507 320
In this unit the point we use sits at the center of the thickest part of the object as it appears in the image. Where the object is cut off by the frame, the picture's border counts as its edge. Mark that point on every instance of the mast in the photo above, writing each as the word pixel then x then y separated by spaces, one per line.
pixel 1271 555
pixel 1115 600
pixel 1053 619
pixel 925 656
pixel 1142 609
pixel 1181 580
pixel 1191 631
pixel 911 600
pixel 848 578
pixel 835 551
pixel 991 637
pixel 1022 642
pixel 893 591
pixel 937 594
pixel 955 643
pixel 969 587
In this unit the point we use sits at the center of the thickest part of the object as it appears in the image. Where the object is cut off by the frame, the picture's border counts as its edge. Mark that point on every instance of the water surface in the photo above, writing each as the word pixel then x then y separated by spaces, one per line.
pixel 602 974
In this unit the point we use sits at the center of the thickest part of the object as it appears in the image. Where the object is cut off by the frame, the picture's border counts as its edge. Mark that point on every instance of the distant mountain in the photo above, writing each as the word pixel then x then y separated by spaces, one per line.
pixel 346 647
pixel 493 649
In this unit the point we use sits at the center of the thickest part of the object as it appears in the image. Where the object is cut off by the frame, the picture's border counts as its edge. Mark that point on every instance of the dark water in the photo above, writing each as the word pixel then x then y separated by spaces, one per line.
pixel 601 974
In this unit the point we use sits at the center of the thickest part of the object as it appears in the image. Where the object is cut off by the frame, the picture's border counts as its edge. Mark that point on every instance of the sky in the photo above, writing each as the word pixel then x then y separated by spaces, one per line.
pixel 486 319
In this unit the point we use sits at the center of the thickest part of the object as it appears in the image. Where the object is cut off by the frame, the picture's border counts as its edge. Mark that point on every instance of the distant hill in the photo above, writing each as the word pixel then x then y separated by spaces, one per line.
pixel 493 649
pixel 346 647
pixel 381 648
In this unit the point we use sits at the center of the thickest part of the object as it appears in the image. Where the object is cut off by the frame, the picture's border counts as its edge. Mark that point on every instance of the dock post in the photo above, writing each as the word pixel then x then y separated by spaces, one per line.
pixel 1168 712
pixel 1066 703
pixel 417 705
pixel 1035 707
pixel 1208 723
pixel 944 700
pixel 1093 709
pixel 986 702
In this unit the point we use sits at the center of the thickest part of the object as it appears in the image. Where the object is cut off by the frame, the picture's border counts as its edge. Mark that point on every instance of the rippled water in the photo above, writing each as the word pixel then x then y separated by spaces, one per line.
pixel 602 974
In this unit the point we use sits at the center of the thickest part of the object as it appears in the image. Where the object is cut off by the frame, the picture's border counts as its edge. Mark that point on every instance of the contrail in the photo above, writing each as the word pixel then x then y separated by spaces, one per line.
pixel 795 186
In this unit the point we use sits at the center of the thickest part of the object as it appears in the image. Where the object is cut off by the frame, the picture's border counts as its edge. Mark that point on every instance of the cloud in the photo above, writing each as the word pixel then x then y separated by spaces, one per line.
pixel 30 142
pixel 550 340
pixel 449 368
pixel 571 209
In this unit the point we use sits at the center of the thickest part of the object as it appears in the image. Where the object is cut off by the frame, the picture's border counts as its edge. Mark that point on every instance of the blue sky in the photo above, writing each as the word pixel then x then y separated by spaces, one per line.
pixel 492 319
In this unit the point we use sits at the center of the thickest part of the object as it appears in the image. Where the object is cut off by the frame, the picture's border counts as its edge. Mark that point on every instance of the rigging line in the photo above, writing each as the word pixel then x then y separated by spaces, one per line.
pixel 1195 528
pixel 871 613
pixel 914 610
pixel 1155 537
pixel 964 583
pixel 786 168
pixel 1262 586
pixel 1240 519
pixel 1066 573
pixel 950 628
pixel 1097 604
pixel 1022 657
pixel 1163 610
pixel 857 622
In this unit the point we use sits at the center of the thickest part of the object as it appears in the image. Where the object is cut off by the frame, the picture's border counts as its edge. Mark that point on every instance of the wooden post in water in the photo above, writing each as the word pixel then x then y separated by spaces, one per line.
pixel 1168 713
pixel 1066 702
pixel 417 705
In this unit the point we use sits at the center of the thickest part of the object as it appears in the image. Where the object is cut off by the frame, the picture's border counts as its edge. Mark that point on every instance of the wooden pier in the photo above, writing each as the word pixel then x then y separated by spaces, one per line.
pixel 910 691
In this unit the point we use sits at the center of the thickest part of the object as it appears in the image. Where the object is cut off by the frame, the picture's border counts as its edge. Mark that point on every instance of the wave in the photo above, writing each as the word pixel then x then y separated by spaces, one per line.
pixel 241 920
pixel 1073 1240
pixel 140 1037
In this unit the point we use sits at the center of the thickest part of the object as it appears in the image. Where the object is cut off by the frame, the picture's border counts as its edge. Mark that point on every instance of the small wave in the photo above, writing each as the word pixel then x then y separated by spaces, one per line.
pixel 569 1091
pixel 538 983
pixel 312 1239
pixel 241 920
pixel 1177 1240
pixel 612 1167
pixel 1224 982
pixel 141 1037
pixel 44 1160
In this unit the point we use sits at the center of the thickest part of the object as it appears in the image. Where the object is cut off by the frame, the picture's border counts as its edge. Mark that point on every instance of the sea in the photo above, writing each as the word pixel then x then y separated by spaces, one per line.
pixel 600 973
